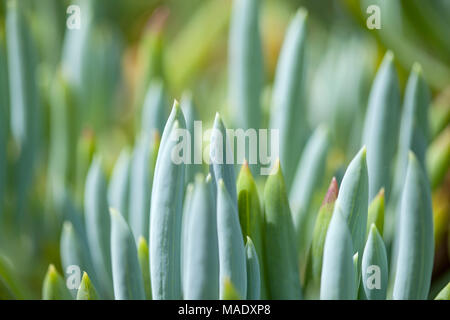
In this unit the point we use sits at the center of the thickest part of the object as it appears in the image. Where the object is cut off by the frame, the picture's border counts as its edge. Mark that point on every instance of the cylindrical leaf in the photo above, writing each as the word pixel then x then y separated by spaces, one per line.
pixel 86 291
pixel 416 241
pixel 119 186
pixel 253 274
pixel 126 271
pixel 231 245
pixel 202 251
pixel 54 287
pixel 281 263
pixel 374 266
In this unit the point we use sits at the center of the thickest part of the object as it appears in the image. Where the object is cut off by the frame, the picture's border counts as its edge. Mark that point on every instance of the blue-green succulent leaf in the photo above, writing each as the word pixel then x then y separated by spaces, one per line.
pixel 288 110
pixel 338 272
pixel 381 127
pixel 416 240
pixel 253 274
pixel 166 213
pixel 245 64
pixel 374 268
pixel 202 252
pixel 126 270
pixel 119 186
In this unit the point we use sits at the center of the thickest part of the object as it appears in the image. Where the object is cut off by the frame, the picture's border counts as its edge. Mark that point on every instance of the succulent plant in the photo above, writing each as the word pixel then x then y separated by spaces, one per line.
pixel 141 225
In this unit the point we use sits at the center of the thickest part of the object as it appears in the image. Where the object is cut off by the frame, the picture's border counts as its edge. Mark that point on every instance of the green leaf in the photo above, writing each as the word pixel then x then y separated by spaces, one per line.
pixel 375 266
pixel 352 200
pixel 338 271
pixel 288 105
pixel 231 245
pixel 253 272
pixel 166 214
pixel 144 262
pixel 119 186
pixel 126 271
pixel 245 64
pixel 438 158
pixel 381 127
pixel 184 228
pixel 314 266
pixel 376 213
pixel 444 294
pixel 251 217
pixel 54 287
pixel 97 223
pixel 416 241
pixel 86 291
pixel 222 159
pixel 11 286
pixel 283 279
pixel 307 180
pixel 202 252
pixel 4 123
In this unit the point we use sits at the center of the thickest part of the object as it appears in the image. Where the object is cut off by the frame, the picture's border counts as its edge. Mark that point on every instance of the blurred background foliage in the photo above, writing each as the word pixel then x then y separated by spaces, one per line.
pixel 91 85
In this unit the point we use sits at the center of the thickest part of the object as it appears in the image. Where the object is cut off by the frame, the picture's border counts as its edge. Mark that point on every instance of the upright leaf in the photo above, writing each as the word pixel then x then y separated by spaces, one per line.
pixel 375 266
pixel 126 271
pixel 191 116
pixel 86 291
pixel 119 186
pixel 97 223
pixel 222 159
pixel 338 272
pixel 166 213
pixel 416 241
pixel 251 217
pixel 24 98
pixel 288 110
pixel 202 251
pixel 253 272
pixel 231 245
pixel 144 262
pixel 308 179
pixel 281 263
pixel 315 258
pixel 376 213
pixel 154 110
pixel 245 64
pixel 141 179
pixel 352 200
pixel 381 126
pixel 54 287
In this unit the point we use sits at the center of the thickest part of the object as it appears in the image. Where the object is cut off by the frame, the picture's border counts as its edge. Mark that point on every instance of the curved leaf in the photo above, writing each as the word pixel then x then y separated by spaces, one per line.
pixel 444 294
pixel 154 110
